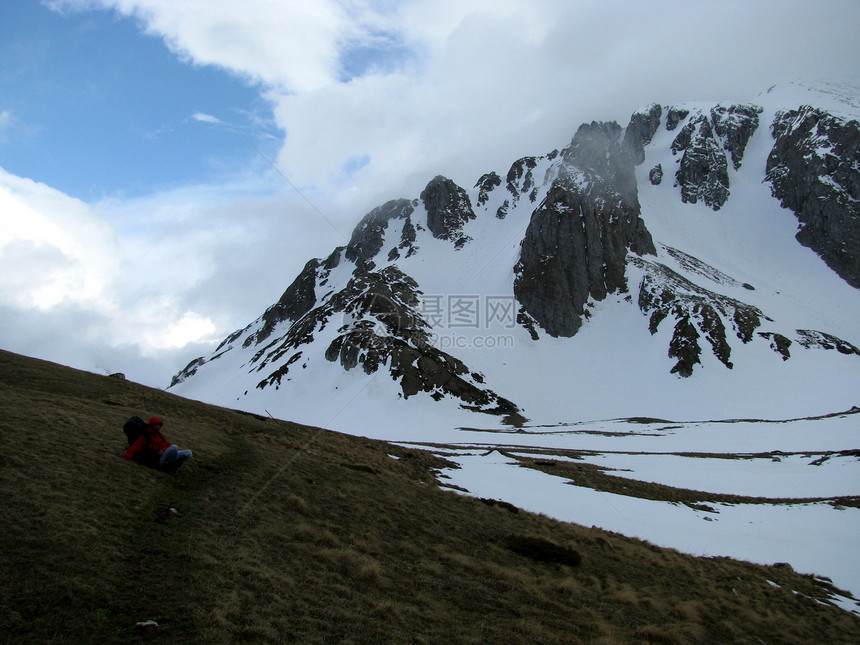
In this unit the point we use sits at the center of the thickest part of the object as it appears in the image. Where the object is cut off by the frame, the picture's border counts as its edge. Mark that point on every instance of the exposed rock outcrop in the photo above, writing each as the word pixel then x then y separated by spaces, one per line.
pixel 639 132
pixel 596 152
pixel 368 237
pixel 576 243
pixel 704 140
pixel 383 327
pixel 380 328
pixel 296 301
pixel 697 312
pixel 778 343
pixel 814 170
pixel 674 117
pixel 812 338
pixel 502 211
pixel 520 179
pixel 485 185
pixel 703 171
pixel 448 209
pixel 735 124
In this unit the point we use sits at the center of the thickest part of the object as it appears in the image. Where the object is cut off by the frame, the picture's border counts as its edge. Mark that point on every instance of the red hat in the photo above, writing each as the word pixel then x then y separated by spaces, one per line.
pixel 155 420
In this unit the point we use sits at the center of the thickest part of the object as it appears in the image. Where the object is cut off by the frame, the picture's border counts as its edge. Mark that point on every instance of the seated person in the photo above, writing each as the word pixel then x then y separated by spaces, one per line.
pixel 153 449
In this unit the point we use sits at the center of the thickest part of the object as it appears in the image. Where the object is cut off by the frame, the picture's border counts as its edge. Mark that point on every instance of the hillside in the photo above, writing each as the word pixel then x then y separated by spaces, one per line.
pixel 289 533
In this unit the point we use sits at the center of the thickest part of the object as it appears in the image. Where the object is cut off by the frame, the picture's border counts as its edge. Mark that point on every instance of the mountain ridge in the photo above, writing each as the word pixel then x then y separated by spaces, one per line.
pixel 592 221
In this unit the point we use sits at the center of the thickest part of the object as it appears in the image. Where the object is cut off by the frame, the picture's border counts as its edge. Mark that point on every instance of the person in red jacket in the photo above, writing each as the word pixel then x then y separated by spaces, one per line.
pixel 153 449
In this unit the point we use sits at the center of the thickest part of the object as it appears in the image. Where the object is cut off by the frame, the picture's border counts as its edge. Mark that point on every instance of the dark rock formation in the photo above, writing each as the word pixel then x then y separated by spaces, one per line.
pixel 778 343
pixel 380 328
pixel 685 347
pixel 697 312
pixel 367 238
pixel 674 117
pixel 814 170
pixel 812 338
pixel 640 130
pixel 704 140
pixel 502 211
pixel 703 171
pixel 295 302
pixel 448 209
pixel 485 186
pixel 596 151
pixel 188 371
pixel 735 125
pixel 407 238
pixel 384 328
pixel 655 175
pixel 576 244
pixel 520 178
pixel 407 242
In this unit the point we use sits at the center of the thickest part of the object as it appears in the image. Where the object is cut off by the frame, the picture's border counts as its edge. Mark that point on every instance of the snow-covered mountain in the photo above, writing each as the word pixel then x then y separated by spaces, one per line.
pixel 702 262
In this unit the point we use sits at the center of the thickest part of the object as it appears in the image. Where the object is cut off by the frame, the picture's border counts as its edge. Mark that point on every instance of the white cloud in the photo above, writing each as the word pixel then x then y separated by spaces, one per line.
pixel 52 249
pixel 281 44
pixel 177 270
pixel 205 118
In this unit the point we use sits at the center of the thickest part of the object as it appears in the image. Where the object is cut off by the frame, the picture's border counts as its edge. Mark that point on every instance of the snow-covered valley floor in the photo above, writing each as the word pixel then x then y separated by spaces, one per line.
pixel 709 488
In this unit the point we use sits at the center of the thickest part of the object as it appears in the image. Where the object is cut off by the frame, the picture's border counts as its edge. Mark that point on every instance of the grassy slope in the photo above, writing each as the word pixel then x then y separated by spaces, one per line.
pixel 285 533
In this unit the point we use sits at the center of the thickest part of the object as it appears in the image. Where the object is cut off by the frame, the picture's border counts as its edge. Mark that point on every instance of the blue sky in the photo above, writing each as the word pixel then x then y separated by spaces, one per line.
pixel 95 107
pixel 152 151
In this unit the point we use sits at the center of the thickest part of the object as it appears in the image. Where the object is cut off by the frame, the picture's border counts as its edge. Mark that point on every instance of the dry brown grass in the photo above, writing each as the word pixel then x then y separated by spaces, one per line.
pixel 601 478
pixel 287 534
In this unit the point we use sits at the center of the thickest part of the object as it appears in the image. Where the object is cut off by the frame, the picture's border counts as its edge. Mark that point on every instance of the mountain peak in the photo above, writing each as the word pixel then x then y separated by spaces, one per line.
pixel 448 208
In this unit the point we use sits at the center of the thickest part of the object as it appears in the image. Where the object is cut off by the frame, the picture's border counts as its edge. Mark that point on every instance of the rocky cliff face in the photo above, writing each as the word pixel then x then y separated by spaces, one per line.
pixel 703 143
pixel 734 125
pixel 640 130
pixel 296 301
pixel 367 238
pixel 576 243
pixel 814 169
pixel 448 209
pixel 486 185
